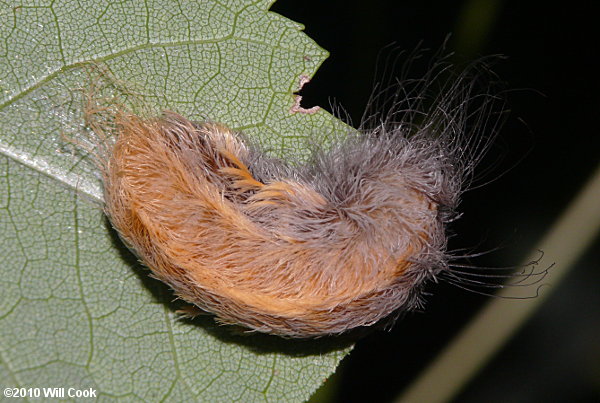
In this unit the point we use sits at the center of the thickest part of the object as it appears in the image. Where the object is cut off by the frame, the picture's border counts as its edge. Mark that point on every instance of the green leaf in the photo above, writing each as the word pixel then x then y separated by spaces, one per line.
pixel 76 309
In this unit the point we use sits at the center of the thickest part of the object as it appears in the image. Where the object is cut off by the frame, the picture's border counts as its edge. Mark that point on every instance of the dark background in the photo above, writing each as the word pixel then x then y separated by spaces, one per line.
pixel 551 50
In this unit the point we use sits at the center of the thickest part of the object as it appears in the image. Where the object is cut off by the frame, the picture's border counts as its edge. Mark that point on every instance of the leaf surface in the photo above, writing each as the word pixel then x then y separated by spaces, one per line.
pixel 76 309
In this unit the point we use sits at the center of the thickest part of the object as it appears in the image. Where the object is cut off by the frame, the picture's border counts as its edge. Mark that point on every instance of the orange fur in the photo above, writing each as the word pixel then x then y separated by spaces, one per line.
pixel 181 195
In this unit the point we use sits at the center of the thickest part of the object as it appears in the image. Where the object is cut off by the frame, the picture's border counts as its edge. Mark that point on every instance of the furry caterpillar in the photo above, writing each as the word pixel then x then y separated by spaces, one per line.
pixel 307 250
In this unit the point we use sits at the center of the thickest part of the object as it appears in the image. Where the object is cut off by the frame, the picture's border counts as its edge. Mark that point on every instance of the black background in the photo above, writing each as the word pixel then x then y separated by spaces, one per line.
pixel 551 50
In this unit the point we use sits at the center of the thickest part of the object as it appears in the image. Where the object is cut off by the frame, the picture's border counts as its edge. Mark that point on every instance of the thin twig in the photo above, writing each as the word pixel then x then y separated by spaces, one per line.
pixel 477 343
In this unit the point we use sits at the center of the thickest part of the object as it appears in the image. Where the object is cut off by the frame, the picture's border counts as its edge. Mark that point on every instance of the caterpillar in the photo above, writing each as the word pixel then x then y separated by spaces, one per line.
pixel 297 249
